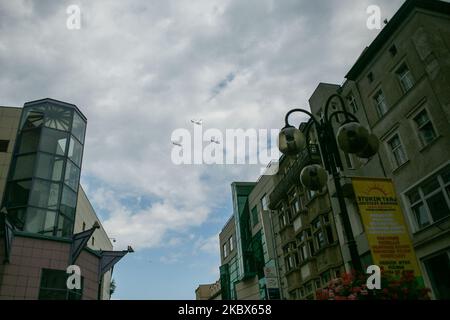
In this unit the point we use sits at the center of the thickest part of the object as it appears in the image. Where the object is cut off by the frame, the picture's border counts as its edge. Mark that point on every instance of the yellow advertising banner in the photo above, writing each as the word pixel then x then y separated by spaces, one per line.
pixel 385 226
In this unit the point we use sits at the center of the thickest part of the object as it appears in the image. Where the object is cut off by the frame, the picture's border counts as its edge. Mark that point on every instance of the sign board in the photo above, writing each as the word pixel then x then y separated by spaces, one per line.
pixel 270 272
pixel 271 283
pixel 383 221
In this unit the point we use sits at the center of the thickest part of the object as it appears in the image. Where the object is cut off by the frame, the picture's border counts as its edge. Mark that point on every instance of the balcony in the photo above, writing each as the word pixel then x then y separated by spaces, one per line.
pixel 287 234
pixel 294 279
pixel 292 176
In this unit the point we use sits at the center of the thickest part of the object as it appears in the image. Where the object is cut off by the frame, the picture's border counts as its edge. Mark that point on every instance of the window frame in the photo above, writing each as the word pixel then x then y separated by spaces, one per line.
pixel 401 77
pixel 352 103
pixel 418 128
pixel 423 198
pixel 380 113
pixel 391 154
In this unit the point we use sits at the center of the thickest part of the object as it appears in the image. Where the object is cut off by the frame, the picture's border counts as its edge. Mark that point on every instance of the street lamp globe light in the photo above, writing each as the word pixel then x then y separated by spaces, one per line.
pixel 352 137
pixel 371 148
pixel 291 141
pixel 313 177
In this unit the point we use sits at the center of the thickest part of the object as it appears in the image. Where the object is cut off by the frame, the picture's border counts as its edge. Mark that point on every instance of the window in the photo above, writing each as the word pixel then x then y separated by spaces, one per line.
pixel 225 251
pixel 290 256
pixel 405 77
pixel 40 221
pixel 65 226
pixel 49 167
pixel 28 141
pixel 54 286
pixel 370 77
pixel 78 127
pixel 437 268
pixel 397 151
pixel 84 226
pixel 326 277
pixel 33 120
pixel 393 50
pixel 430 201
pixel 68 202
pixel 17 193
pixel 317 283
pixel 75 151
pixel 351 100
pixel 23 167
pixel 72 175
pixel 425 127
pixel 323 231
pixel 231 244
pixel 320 239
pixel 93 241
pixel 45 194
pixel 283 221
pixel 264 203
pixel 53 141
pixel 254 216
pixel 380 103
pixel 4 145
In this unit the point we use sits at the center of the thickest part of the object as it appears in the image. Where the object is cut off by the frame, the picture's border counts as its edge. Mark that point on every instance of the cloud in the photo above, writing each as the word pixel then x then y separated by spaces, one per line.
pixel 209 245
pixel 138 70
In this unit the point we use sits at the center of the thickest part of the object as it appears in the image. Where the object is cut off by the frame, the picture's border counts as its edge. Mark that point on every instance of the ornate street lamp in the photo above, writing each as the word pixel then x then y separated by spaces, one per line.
pixel 352 138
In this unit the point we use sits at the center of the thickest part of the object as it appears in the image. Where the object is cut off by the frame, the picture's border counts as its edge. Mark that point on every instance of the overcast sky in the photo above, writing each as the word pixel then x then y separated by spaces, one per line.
pixel 140 69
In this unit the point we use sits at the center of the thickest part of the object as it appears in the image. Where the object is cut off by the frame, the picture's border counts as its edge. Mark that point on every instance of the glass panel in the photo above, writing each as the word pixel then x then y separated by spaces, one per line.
pixel 427 132
pixel 75 151
pixel 29 141
pixel 414 196
pixel 421 215
pixel 446 175
pixel 40 221
pixel 438 206
pixel 72 175
pixel 33 119
pixel 49 167
pixel 320 239
pixel 57 117
pixel 45 194
pixel 17 217
pixel 421 118
pixel 17 193
pixel 24 167
pixel 68 202
pixel 53 141
pixel 78 127
pixel 438 268
pixel 65 226
pixel 430 186
pixel 330 237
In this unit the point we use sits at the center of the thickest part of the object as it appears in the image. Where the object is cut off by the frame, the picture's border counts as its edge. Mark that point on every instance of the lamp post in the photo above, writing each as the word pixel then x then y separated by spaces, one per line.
pixel 352 137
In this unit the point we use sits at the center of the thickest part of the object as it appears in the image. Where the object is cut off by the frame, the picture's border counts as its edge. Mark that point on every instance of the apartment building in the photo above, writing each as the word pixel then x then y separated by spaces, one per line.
pixel 307 244
pixel 399 89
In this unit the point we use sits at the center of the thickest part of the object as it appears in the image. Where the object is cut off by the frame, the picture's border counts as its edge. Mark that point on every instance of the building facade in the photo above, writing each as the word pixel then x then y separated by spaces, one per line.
pixel 399 89
pixel 306 239
pixel 47 221
pixel 248 256
pixel 210 291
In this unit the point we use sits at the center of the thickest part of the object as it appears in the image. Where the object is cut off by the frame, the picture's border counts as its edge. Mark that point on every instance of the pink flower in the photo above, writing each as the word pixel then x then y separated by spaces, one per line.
pixel 352 297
